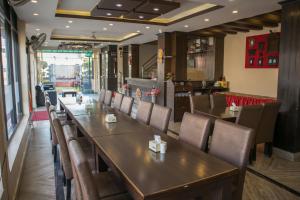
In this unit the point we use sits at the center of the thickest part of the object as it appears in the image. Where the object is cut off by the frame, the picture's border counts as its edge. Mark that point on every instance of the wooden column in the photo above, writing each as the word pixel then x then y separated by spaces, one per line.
pixel 287 135
pixel 133 60
pixel 174 48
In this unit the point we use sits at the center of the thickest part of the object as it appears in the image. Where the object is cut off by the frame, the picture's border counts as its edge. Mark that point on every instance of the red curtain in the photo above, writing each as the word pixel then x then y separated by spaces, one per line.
pixel 245 100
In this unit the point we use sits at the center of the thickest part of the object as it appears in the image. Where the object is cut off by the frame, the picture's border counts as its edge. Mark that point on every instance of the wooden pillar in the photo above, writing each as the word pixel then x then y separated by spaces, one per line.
pixel 287 135
pixel 133 60
pixel 172 58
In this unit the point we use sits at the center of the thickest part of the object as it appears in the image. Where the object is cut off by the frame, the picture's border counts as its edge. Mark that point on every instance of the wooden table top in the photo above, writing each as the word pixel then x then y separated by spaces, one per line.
pixel 154 174
pixel 149 175
pixel 219 113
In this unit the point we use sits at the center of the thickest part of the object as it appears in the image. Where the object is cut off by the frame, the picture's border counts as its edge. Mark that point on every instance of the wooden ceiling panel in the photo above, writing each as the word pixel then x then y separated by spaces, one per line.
pixel 124 5
pixel 157 6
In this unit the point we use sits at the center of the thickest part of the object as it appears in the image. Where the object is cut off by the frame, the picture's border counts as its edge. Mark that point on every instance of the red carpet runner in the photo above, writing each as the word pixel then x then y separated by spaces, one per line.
pixel 39 116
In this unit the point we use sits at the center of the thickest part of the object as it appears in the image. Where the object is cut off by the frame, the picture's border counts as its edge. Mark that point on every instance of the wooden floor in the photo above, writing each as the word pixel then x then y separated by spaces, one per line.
pixel 38 182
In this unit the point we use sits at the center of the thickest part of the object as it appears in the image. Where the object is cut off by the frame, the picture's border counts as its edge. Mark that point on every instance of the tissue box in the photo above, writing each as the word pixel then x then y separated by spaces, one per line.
pixel 154 146
pixel 234 108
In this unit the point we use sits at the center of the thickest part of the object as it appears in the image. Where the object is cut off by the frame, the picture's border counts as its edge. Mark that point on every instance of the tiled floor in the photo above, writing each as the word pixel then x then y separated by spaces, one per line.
pixel 38 182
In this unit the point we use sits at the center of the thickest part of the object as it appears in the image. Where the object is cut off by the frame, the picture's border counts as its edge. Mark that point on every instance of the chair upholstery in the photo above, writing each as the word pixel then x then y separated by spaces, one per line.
pixel 69 132
pixel 144 111
pixel 232 143
pixel 195 130
pixel 102 96
pixel 64 153
pixel 126 105
pixel 53 116
pixel 218 101
pixel 160 117
pixel 265 130
pixel 199 102
pixel 91 186
pixel 108 97
pixel 250 116
pixel 118 101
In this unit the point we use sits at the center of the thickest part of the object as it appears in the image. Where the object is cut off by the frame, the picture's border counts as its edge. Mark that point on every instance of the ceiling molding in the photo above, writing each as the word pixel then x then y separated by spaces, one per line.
pixel 156 21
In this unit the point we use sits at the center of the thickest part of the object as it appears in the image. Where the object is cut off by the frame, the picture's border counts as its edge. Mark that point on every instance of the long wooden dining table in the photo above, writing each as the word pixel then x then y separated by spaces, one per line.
pixel 183 172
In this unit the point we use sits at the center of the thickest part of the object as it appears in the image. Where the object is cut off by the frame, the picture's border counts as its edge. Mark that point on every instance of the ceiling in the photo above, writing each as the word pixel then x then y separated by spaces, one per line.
pixel 111 30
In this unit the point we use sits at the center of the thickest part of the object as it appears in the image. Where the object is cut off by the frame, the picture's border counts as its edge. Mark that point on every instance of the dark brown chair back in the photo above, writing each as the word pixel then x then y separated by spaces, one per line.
pixel 108 97
pixel 250 116
pixel 160 118
pixel 64 153
pixel 232 143
pixel 118 101
pixel 102 96
pixel 200 102
pixel 144 112
pixel 126 105
pixel 195 130
pixel 218 101
pixel 82 173
pixel 265 131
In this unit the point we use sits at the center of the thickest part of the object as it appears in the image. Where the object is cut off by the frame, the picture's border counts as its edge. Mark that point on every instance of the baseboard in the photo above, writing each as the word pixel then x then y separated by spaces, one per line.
pixel 286 154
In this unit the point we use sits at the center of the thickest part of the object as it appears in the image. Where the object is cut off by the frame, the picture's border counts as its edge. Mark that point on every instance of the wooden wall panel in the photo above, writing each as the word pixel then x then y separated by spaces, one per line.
pixel 287 135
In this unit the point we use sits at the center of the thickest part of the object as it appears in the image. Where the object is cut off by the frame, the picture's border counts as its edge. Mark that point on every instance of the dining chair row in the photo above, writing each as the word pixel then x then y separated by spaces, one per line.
pixel 230 142
pixel 204 102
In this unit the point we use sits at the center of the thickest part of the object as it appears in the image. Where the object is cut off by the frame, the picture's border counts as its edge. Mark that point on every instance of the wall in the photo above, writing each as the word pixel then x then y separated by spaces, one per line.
pixel 146 51
pixel 249 81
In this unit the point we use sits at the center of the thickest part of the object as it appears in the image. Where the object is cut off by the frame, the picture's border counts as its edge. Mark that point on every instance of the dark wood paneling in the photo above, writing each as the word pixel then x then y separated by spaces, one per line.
pixel 288 132
pixel 133 52
pixel 219 57
pixel 179 55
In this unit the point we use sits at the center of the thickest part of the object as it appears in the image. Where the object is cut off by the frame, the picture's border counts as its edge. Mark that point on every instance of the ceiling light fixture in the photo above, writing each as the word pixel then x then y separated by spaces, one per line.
pixel 105 29
pixel 159 30
pixel 37 29
pixel 34 1
pixel 186 26
pixel 235 12
pixel 141 17
pixel 119 5
pixel 156 9
pixel 67 26
pixel 138 31
pixel 35 14
pixel 111 24
pixel 108 14
pixel 206 20
pixel 70 21
pixel 147 27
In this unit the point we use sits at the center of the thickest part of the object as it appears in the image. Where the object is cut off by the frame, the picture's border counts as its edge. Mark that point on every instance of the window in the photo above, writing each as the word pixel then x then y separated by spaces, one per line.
pixel 10 66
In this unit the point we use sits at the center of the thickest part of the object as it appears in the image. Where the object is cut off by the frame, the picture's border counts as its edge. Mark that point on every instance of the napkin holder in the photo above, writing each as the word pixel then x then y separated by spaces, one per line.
pixel 234 108
pixel 110 118
pixel 154 146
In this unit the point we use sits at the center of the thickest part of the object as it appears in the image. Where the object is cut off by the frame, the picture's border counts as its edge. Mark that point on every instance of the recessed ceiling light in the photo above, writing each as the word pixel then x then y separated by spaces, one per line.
pixel 35 14
pixel 111 24
pixel 147 27
pixel 231 0
pixel 138 31
pixel 105 29
pixel 119 5
pixel 159 30
pixel 34 1
pixel 206 20
pixel 141 17
pixel 186 26
pixel 156 9
pixel 67 26
pixel 108 14
pixel 70 21
pixel 37 29
pixel 235 12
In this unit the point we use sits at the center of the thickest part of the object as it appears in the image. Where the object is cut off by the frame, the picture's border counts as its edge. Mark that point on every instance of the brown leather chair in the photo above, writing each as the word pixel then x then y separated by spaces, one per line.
pixel 265 131
pixel 232 143
pixel 126 105
pixel 93 186
pixel 200 102
pixel 218 101
pixel 102 96
pixel 108 97
pixel 64 154
pixel 118 101
pixel 54 140
pixel 195 130
pixel 144 111
pixel 250 116
pixel 160 118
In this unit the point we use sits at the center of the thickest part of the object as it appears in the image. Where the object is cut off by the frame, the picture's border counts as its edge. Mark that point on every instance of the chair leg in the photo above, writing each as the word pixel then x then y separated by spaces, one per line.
pixel 254 153
pixel 68 189
pixel 54 149
pixel 268 150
